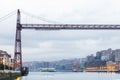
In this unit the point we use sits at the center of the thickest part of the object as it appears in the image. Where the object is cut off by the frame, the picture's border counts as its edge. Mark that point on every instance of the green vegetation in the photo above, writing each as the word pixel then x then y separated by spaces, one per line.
pixel 1 66
pixel 8 76
pixel 5 66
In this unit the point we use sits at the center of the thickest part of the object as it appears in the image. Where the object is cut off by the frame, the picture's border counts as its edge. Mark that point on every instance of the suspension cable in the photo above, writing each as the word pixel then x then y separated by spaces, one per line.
pixel 38 17
pixel 7 16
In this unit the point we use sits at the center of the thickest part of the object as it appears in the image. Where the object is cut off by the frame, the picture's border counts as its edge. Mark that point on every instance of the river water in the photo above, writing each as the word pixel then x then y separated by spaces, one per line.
pixel 70 76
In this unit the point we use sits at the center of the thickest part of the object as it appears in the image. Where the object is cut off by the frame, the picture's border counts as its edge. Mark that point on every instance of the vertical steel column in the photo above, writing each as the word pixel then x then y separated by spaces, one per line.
pixel 18 50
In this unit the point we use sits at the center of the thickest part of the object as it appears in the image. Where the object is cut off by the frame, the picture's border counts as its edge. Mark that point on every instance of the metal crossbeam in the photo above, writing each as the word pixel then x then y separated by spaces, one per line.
pixel 70 26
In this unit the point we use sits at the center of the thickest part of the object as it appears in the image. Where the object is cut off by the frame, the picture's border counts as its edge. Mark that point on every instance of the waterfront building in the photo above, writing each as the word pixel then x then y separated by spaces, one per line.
pixel 12 63
pixel 90 58
pixel 5 58
pixel 106 55
pixel 117 55
pixel 98 55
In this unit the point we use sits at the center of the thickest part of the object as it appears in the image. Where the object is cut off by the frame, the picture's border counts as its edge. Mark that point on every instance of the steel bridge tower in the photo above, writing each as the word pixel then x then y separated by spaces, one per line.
pixel 18 50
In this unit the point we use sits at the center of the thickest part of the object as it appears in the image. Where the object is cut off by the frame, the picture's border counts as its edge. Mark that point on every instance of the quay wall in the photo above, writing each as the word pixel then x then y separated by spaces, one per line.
pixel 5 74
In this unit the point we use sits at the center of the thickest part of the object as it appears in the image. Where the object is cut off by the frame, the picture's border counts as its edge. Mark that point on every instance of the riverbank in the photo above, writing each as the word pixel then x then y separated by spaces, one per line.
pixel 8 75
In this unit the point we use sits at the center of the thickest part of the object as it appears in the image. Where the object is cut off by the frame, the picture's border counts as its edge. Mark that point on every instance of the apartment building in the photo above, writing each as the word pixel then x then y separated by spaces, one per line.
pixel 5 58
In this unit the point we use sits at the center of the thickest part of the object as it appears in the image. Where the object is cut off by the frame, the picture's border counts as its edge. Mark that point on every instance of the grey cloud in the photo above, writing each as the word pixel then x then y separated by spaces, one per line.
pixel 53 45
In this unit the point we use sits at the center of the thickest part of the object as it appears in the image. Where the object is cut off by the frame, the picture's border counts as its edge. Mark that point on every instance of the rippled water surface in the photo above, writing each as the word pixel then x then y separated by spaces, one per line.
pixel 71 76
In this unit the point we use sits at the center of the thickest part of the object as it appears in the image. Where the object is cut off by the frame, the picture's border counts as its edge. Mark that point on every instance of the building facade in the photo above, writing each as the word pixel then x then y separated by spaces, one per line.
pixel 5 58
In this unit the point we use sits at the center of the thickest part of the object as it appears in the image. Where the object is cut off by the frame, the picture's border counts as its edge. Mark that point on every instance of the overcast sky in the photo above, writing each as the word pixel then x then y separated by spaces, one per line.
pixel 57 45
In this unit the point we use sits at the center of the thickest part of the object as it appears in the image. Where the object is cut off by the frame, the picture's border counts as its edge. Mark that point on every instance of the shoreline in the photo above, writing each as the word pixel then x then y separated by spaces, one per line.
pixel 7 76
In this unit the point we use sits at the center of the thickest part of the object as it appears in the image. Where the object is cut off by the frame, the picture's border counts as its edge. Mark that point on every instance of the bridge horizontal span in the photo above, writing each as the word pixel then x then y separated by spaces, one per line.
pixel 70 26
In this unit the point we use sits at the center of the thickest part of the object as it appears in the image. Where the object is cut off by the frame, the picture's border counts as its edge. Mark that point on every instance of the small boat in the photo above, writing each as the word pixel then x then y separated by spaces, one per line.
pixel 24 71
